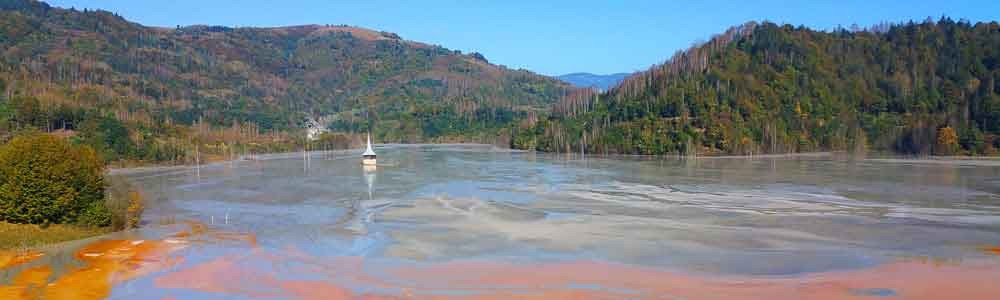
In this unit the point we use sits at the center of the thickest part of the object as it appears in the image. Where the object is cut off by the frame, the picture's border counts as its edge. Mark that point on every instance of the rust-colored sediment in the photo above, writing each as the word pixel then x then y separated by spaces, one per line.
pixel 105 263
pixel 992 250
pixel 907 279
pixel 199 229
pixel 910 280
pixel 10 259
pixel 258 272
pixel 225 275
pixel 27 284
pixel 110 262
pixel 196 228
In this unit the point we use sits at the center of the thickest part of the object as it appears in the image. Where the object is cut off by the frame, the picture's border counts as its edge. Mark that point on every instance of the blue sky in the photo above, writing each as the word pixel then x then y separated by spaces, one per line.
pixel 549 37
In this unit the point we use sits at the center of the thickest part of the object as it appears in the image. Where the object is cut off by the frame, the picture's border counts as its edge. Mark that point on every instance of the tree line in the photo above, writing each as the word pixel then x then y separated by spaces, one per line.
pixel 911 88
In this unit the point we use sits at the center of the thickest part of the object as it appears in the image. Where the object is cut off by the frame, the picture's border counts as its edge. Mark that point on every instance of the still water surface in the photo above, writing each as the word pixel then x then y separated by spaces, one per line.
pixel 474 222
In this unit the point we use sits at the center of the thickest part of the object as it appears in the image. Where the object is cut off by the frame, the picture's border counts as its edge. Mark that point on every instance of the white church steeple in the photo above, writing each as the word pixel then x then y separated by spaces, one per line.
pixel 368 158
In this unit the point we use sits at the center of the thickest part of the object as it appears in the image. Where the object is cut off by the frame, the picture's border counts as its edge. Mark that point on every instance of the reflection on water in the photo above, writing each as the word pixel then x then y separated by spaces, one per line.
pixel 472 222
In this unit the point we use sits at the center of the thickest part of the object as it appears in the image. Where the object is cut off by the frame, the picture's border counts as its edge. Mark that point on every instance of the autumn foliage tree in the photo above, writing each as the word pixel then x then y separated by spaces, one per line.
pixel 45 180
pixel 947 141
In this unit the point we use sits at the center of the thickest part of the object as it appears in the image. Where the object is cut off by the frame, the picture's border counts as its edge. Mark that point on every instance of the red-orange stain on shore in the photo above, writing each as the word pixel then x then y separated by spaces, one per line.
pixel 110 262
pixel 10 259
pixel 993 250
pixel 105 264
pixel 27 284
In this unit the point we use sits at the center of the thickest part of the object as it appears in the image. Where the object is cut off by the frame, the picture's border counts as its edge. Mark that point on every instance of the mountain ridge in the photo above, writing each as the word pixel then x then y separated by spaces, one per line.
pixel 62 68
pixel 591 80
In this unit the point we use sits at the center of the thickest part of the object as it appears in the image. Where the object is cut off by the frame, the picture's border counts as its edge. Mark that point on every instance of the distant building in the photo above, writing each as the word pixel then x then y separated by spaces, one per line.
pixel 314 129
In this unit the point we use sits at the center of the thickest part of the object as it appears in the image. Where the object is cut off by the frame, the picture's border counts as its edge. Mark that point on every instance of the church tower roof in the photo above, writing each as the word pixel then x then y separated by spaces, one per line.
pixel 368 149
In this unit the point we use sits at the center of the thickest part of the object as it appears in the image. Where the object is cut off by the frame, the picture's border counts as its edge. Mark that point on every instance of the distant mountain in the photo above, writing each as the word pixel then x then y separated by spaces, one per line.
pixel 586 80
pixel 60 68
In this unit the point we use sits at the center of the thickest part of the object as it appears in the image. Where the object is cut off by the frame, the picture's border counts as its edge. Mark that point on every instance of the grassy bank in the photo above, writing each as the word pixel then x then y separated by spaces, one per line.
pixel 125 205
pixel 26 236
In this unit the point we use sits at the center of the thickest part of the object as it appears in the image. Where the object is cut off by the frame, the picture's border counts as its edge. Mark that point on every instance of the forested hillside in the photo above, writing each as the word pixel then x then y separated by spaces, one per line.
pixel 588 80
pixel 162 94
pixel 146 93
pixel 915 88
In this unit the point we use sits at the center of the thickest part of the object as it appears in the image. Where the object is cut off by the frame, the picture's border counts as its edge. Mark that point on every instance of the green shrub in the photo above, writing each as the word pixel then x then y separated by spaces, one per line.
pixel 133 214
pixel 124 202
pixel 44 179
pixel 95 215
pixel 109 137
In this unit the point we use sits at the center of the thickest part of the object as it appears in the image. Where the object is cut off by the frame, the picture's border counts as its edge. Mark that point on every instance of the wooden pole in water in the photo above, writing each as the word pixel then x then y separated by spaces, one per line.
pixel 197 162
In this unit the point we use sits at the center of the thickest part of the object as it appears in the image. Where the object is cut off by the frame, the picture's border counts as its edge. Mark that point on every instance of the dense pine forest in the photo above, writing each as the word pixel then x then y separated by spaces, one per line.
pixel 162 94
pixel 913 88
